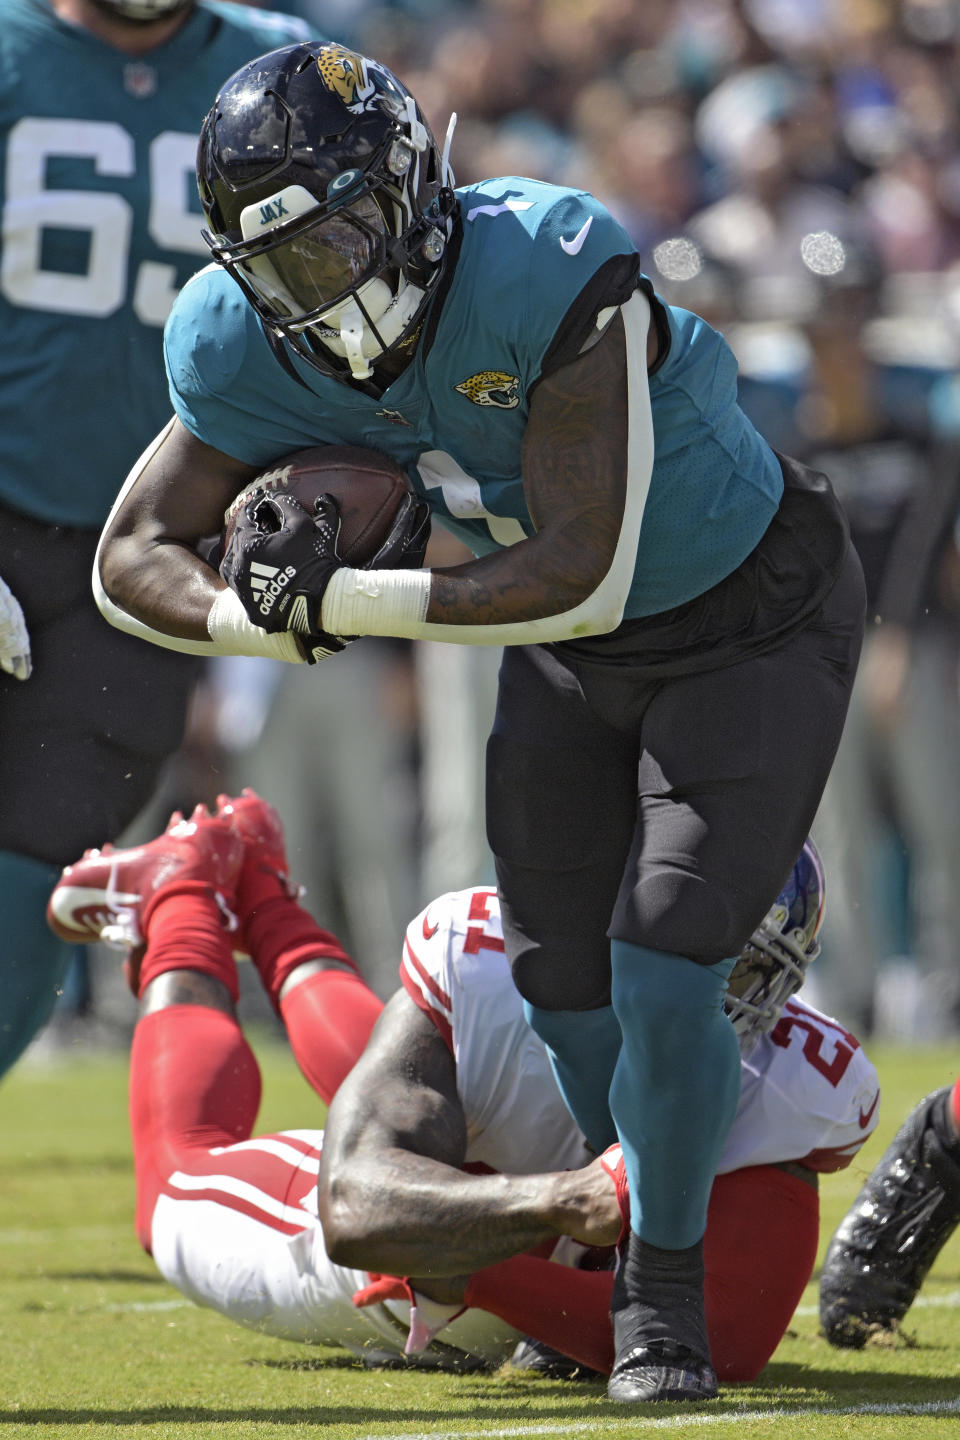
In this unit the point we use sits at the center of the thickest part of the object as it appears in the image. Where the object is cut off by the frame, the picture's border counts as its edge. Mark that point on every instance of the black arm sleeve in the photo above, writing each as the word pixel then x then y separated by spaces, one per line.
pixel 612 284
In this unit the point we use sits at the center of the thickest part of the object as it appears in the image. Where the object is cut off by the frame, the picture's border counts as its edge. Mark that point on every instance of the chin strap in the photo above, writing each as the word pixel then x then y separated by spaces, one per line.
pixel 350 322
pixel 356 330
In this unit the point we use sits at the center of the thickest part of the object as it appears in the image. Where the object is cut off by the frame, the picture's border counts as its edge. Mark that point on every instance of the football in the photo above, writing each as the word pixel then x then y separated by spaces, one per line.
pixel 367 485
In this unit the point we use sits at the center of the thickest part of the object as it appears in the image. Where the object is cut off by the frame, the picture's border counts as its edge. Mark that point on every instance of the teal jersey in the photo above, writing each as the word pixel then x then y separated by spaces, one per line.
pixel 455 417
pixel 101 226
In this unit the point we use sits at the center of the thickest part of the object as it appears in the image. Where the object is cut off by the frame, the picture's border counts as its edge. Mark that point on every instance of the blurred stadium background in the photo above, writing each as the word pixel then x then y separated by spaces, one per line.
pixel 790 169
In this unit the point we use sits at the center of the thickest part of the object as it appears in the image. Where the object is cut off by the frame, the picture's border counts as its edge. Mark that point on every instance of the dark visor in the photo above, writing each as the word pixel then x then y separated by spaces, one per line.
pixel 316 267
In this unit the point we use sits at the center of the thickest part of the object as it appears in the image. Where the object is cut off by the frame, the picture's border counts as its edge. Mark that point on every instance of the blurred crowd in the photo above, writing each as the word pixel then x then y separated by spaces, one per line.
pixel 789 169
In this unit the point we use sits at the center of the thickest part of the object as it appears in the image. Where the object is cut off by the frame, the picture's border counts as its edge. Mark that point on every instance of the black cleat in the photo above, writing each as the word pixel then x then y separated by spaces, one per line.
pixel 538 1358
pixel 886 1243
pixel 659 1329
pixel 661 1370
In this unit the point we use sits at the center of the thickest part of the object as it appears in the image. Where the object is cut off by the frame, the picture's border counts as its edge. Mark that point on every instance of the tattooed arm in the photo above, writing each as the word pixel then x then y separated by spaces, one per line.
pixel 587 461
pixel 574 472
pixel 392 1197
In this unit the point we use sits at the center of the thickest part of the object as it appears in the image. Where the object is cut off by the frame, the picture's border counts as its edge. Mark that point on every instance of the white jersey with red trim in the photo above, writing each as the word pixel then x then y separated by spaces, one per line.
pixel 808 1091
pixel 454 967
pixel 236 1230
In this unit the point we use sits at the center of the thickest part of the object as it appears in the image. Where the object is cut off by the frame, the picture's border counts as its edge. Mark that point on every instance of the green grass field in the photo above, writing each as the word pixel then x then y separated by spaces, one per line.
pixel 95 1343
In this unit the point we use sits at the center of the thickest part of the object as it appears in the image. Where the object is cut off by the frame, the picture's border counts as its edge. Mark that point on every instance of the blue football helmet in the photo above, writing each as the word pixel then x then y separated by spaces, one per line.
pixel 775 960
pixel 328 201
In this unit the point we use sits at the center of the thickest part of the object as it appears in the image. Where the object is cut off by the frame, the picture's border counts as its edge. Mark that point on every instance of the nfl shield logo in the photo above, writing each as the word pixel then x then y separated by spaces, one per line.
pixel 139 80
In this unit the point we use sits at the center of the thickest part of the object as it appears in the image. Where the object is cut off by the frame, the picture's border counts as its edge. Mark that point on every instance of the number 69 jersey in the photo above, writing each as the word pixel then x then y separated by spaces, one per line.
pixel 100 227
pixel 808 1091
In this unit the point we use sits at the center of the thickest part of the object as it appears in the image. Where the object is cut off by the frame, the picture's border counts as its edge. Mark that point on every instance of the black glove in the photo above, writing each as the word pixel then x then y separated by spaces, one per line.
pixel 406 543
pixel 279 562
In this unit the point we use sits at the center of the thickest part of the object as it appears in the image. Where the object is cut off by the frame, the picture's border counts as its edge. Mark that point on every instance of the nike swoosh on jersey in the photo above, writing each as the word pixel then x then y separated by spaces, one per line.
pixel 864 1120
pixel 429 930
pixel 574 246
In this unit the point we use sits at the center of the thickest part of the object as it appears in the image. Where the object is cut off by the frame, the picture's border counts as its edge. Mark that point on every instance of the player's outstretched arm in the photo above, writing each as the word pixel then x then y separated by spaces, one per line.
pixel 149 577
pixel 392 1197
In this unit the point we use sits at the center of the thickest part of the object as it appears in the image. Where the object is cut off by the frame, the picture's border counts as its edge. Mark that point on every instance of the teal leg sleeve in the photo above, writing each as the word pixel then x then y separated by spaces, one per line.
pixel 675 1089
pixel 33 962
pixel 583 1046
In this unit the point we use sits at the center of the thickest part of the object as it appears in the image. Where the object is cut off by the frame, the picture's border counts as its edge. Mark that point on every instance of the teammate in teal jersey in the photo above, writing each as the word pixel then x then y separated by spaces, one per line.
pixel 680 608
pixel 98 125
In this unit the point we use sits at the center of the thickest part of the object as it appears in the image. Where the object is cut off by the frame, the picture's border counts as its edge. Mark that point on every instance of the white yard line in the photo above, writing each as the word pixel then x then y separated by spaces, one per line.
pixel 121 1307
pixel 936 1408
pixel 51 1236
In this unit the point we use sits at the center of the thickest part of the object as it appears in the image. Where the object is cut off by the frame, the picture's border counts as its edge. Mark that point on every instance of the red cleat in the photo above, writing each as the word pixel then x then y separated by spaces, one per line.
pixel 103 895
pixel 265 874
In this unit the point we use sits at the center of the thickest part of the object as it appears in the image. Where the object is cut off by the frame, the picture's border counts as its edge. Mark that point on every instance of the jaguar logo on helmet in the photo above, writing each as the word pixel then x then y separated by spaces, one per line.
pixel 491 387
pixel 345 73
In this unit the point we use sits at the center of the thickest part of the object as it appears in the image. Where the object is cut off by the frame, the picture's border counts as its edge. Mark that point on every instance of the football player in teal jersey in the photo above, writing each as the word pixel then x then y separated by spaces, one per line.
pixel 100 226
pixel 680 607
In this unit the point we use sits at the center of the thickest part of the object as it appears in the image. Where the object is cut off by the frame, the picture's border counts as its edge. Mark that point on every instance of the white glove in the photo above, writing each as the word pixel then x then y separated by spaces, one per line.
pixel 14 640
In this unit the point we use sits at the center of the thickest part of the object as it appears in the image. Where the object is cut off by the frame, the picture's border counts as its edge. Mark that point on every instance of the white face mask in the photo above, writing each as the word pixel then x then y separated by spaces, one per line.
pixel 342 328
pixel 390 313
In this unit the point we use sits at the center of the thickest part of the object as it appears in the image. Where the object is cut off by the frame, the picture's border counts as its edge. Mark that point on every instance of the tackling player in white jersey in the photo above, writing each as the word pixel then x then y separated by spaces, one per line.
pixel 232 1218
pixel 466 1083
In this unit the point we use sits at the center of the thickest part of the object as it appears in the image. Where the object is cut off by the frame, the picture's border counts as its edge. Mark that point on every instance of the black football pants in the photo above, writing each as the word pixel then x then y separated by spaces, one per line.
pixel 83 740
pixel 665 813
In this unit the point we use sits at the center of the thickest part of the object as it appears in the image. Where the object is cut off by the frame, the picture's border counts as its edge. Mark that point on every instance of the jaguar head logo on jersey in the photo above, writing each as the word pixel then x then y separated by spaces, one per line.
pixel 345 73
pixel 491 387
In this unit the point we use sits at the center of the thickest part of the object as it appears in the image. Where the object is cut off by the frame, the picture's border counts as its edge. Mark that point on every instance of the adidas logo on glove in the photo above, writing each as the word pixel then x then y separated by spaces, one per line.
pixel 267 582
